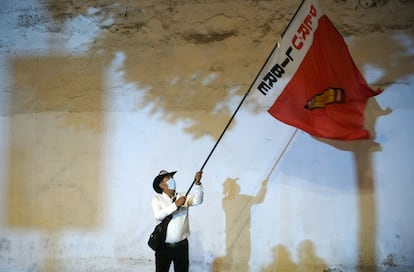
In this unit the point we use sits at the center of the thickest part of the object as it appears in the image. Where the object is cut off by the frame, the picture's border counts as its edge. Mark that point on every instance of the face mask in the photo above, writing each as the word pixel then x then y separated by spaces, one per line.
pixel 171 184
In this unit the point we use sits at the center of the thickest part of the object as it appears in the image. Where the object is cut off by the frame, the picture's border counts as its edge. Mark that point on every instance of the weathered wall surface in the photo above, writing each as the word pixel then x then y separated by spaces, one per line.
pixel 97 96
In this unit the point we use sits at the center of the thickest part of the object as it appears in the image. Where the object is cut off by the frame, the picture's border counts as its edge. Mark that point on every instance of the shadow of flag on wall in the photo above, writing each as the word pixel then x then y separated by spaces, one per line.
pixel 311 81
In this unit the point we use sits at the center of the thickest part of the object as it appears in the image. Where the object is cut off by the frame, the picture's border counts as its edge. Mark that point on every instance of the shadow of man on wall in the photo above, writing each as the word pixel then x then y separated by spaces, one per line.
pixel 237 208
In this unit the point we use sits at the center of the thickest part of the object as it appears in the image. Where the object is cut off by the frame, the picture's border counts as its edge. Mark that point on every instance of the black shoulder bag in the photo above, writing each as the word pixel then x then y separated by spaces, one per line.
pixel 157 237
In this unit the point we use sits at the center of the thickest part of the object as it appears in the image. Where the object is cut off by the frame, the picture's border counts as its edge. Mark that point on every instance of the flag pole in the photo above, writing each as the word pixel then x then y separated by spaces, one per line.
pixel 231 118
pixel 282 154
pixel 242 101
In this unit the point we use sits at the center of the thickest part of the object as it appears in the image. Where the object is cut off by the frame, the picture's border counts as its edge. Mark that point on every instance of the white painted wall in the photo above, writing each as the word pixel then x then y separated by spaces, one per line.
pixel 313 210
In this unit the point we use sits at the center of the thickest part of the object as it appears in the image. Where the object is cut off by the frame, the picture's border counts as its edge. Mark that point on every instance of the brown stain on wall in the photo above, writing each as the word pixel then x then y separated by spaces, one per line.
pixel 55 143
pixel 193 82
pixel 57 83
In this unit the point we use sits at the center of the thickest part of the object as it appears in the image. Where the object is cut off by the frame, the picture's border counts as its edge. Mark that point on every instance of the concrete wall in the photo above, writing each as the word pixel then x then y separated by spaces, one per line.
pixel 95 100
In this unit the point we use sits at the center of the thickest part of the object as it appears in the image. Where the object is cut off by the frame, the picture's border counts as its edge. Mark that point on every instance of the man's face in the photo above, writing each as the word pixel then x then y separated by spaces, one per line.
pixel 164 184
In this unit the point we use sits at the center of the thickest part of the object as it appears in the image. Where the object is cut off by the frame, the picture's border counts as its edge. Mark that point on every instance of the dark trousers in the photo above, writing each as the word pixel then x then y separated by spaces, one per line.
pixel 176 253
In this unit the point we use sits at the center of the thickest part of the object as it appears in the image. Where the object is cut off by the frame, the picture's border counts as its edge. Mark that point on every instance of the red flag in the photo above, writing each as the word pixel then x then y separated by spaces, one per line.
pixel 326 95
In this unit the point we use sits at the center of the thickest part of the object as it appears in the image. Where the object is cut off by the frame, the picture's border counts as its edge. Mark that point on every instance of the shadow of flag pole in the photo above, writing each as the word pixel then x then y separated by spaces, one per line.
pixel 242 101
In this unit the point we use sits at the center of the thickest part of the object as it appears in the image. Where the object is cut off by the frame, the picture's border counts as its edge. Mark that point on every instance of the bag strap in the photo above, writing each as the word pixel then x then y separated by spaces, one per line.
pixel 168 218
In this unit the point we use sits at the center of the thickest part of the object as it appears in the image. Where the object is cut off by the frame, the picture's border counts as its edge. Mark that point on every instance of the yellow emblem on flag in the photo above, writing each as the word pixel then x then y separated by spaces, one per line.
pixel 328 96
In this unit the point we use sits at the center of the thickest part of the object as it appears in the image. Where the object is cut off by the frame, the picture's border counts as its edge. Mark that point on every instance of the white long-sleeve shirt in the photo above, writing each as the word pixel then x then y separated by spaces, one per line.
pixel 178 228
